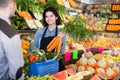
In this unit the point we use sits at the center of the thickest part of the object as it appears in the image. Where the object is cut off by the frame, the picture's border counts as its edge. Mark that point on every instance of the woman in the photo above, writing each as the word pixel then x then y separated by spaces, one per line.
pixel 45 35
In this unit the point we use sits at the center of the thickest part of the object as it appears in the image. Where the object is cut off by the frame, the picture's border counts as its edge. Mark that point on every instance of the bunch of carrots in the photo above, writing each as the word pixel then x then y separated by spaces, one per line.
pixel 73 3
pixel 24 14
pixel 55 44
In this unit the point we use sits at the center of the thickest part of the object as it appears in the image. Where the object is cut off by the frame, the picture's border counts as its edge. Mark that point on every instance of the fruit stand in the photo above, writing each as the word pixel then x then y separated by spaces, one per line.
pixel 93 39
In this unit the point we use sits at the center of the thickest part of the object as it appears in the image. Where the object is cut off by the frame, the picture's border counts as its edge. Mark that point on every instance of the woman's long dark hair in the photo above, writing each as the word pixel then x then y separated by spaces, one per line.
pixel 54 11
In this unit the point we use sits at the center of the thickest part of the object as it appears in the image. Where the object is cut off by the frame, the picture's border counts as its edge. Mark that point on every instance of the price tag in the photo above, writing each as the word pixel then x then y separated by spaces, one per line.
pixel 75 54
pixel 67 56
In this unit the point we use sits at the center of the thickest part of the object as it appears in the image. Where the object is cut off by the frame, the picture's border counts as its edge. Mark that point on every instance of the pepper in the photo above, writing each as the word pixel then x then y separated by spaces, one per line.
pixel 33 58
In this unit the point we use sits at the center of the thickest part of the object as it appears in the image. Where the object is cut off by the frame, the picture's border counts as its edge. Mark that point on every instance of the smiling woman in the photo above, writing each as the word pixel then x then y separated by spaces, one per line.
pixel 44 36
pixel 50 18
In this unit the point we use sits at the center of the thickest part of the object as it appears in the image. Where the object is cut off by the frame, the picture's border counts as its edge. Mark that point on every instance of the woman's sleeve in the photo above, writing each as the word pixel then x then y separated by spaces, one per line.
pixel 37 38
pixel 63 45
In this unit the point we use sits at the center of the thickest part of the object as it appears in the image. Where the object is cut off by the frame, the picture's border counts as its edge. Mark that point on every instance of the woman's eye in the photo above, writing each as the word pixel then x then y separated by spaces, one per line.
pixel 51 15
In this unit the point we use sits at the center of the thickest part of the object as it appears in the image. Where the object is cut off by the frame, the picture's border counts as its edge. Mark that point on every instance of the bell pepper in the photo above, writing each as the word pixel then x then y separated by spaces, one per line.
pixel 33 58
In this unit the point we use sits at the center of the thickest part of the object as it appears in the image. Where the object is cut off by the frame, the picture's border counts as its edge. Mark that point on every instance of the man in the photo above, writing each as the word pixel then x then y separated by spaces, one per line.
pixel 11 57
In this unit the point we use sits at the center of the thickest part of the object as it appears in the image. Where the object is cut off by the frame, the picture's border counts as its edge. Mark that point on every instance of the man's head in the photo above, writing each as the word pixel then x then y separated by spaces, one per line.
pixel 7 7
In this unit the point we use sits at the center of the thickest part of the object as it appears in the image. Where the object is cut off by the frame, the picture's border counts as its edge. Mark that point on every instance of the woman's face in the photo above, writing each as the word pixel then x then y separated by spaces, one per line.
pixel 50 18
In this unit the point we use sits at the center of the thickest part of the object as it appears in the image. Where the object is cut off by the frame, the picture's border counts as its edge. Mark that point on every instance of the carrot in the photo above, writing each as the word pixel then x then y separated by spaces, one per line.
pixel 55 44
pixel 20 13
pixel 73 3
pixel 28 15
pixel 51 43
pixel 24 14
pixel 59 46
pixel 42 1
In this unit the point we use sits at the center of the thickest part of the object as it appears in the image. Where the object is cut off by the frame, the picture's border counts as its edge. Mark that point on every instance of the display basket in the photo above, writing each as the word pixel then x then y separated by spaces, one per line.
pixel 50 66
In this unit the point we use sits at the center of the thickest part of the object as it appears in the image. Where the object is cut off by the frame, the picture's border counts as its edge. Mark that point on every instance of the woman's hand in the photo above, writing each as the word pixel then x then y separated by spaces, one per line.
pixel 61 34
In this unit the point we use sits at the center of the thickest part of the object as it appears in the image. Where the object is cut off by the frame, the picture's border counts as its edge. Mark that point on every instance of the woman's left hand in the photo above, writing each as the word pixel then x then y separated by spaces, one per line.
pixel 61 34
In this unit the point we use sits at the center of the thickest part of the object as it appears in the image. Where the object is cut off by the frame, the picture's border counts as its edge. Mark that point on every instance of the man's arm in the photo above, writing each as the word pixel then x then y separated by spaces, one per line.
pixel 13 51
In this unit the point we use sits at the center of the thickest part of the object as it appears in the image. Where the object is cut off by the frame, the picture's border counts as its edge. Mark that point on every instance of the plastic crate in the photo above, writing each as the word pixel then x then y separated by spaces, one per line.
pixel 115 7
pixel 40 69
pixel 112 28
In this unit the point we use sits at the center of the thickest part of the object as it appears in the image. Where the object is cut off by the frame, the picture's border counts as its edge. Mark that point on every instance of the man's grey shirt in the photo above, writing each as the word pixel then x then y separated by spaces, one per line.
pixel 11 57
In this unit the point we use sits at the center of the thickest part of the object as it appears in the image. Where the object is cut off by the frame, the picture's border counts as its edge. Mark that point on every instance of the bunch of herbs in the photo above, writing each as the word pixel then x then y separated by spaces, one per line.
pixel 77 28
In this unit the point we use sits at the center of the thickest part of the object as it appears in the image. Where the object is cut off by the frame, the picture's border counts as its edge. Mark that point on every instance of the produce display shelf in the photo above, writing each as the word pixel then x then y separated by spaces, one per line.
pixel 26 31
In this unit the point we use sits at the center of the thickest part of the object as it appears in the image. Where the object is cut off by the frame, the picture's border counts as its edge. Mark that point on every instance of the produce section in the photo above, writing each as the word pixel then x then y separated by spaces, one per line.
pixel 92 45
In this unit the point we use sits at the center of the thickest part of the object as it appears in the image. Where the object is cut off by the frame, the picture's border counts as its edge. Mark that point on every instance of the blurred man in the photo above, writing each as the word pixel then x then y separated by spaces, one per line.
pixel 11 57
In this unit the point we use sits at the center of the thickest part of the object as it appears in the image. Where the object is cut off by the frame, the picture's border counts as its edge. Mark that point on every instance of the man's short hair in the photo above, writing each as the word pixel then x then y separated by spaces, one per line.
pixel 4 3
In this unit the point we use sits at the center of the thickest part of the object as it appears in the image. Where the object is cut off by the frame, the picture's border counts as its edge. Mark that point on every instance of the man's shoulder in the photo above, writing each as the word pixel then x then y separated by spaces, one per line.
pixel 7 29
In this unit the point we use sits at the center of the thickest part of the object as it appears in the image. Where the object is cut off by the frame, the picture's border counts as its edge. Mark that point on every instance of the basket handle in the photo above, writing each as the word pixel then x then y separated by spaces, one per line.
pixel 45 56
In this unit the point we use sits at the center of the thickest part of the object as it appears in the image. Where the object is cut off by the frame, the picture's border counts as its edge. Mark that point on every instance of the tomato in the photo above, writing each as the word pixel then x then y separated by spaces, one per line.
pixel 33 58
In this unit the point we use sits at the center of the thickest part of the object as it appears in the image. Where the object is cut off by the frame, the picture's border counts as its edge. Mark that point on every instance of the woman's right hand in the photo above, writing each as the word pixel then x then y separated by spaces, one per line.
pixel 61 34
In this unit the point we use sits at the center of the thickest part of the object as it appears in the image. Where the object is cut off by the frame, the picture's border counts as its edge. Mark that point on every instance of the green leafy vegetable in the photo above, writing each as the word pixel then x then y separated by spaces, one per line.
pixel 18 22
pixel 77 28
